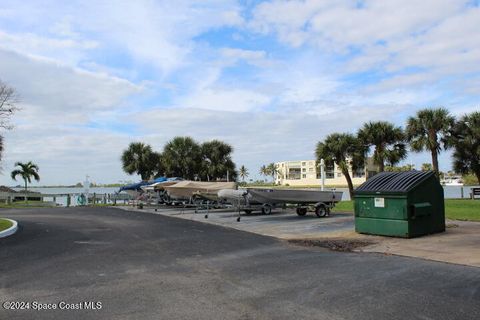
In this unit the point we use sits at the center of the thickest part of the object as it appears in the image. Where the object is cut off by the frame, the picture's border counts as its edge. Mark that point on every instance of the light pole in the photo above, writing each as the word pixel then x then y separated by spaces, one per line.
pixel 322 172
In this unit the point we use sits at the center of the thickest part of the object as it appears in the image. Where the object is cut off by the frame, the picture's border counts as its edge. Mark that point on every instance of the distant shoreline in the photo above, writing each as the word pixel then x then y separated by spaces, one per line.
pixel 38 187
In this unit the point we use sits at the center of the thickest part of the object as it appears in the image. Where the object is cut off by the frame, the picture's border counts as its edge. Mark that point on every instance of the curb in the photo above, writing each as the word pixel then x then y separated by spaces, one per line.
pixel 8 232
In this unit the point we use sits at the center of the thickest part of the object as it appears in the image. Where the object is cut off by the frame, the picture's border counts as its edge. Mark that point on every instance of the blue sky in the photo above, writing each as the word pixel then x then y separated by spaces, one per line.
pixel 270 77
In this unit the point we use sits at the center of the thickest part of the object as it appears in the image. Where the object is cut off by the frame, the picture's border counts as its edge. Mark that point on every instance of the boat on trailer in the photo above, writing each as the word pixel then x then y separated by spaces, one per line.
pixel 253 199
pixel 298 196
pixel 187 190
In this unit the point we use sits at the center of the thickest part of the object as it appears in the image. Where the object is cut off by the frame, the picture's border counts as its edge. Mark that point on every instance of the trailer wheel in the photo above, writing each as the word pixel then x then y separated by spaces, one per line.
pixel 248 211
pixel 321 211
pixel 266 209
pixel 301 211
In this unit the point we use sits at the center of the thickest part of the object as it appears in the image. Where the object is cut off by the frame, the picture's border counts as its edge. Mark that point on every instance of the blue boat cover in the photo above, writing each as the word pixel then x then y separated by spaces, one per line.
pixel 138 186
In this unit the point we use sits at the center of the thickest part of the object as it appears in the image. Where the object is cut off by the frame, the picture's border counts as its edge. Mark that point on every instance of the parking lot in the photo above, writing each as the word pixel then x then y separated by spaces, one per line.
pixel 458 244
pixel 281 223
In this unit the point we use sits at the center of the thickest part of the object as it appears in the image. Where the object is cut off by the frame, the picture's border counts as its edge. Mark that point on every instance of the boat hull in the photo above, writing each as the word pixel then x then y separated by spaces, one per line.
pixel 293 196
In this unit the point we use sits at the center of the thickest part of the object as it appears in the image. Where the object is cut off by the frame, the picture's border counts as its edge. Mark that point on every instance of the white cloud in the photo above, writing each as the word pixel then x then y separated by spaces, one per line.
pixel 439 35
pixel 55 88
pixel 56 101
pixel 233 55
pixel 225 100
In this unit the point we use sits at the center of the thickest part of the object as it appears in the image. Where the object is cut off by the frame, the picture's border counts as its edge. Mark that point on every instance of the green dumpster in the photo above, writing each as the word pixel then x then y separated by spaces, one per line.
pixel 400 204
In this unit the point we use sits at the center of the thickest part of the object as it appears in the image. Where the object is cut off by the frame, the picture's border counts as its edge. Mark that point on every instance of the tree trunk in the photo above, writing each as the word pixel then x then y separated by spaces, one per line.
pixel 380 159
pixel 435 163
pixel 25 189
pixel 349 182
pixel 381 166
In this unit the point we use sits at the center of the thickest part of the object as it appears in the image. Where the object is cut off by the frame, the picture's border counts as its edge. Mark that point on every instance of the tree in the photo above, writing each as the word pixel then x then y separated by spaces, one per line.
pixel 217 161
pixel 182 157
pixel 8 102
pixel 429 130
pixel 407 167
pixel 272 171
pixel 264 171
pixel 243 173
pixel 345 150
pixel 140 159
pixel 27 171
pixel 466 142
pixel 427 167
pixel 388 141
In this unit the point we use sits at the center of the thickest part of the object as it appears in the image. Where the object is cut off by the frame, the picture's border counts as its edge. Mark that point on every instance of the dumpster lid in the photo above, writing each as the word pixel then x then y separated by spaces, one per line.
pixel 394 181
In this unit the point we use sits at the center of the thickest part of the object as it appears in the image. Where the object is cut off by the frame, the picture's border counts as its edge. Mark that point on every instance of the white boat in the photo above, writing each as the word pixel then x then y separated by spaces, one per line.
pixel 188 189
pixel 452 181
pixel 161 185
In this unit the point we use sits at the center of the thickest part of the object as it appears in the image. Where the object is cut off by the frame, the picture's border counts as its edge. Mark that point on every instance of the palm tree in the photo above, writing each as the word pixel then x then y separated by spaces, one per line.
pixel 264 171
pixel 388 141
pixel 243 173
pixel 345 150
pixel 429 130
pixel 217 161
pixel 27 171
pixel 140 159
pixel 466 142
pixel 182 157
pixel 272 171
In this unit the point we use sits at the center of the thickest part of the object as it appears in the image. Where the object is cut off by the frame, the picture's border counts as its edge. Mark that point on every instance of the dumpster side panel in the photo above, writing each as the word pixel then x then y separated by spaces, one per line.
pixel 383 227
pixel 381 206
pixel 426 220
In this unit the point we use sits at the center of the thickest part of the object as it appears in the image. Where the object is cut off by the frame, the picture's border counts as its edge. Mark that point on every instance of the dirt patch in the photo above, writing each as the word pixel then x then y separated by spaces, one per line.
pixel 344 245
pixel 451 225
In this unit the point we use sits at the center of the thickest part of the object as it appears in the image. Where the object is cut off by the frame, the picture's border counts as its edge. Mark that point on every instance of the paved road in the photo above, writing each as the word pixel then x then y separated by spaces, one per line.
pixel 146 266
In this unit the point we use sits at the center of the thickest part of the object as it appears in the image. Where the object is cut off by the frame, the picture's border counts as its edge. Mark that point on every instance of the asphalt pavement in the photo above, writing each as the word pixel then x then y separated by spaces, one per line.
pixel 136 265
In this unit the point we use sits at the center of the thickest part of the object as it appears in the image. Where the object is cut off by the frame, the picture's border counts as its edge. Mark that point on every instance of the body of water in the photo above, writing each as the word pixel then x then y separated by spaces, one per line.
pixel 450 192
pixel 75 192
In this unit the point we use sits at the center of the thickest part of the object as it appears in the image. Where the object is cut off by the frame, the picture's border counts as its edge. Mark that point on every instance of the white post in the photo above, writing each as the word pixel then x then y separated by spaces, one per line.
pixel 87 189
pixel 322 172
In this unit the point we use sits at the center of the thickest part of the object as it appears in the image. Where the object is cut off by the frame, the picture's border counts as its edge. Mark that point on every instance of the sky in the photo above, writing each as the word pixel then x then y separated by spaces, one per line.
pixel 272 78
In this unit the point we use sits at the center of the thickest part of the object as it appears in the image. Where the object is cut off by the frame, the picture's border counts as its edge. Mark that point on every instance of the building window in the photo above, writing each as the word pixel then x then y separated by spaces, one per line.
pixel 304 164
pixel 310 169
pixel 339 174
pixel 294 174
pixel 304 176
pixel 304 169
pixel 330 171
pixel 359 173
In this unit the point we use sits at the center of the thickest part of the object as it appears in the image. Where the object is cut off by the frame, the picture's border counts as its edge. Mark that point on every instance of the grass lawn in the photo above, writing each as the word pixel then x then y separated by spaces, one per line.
pixel 29 204
pixel 462 209
pixel 4 224
pixel 454 209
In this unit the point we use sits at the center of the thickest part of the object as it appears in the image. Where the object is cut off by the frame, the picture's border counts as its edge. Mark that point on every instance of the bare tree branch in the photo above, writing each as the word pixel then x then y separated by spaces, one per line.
pixel 8 104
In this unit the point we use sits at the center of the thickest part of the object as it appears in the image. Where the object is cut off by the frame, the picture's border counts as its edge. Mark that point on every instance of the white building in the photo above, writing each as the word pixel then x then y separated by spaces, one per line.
pixel 306 173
